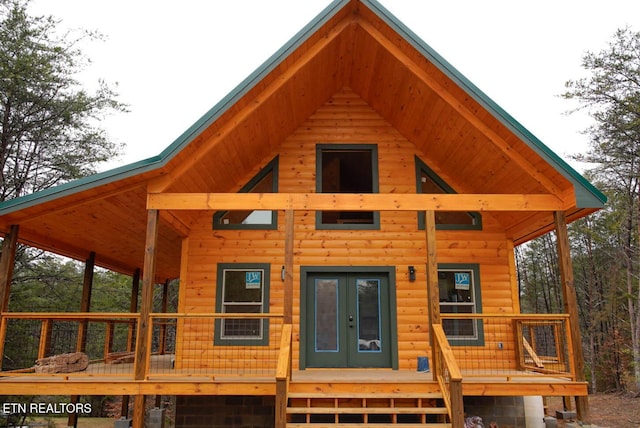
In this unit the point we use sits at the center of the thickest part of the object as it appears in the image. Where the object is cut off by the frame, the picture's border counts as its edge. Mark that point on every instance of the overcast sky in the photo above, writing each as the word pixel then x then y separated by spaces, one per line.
pixel 173 61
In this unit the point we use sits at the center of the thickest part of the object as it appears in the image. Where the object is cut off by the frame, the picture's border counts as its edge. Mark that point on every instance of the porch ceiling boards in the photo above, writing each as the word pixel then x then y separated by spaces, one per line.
pixel 354 44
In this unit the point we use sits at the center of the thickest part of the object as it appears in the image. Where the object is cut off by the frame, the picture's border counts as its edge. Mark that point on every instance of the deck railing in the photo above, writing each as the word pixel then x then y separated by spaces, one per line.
pixel 214 344
pixel 448 376
pixel 27 339
pixel 507 345
pixel 283 376
pixel 249 344
pixel 180 344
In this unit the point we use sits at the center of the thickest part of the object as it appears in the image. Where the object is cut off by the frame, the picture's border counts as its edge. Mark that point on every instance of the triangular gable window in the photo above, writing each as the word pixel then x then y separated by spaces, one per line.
pixel 266 181
pixel 428 181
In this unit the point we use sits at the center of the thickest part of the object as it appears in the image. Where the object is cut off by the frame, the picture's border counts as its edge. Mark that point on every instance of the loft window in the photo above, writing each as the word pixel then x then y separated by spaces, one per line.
pixel 242 288
pixel 459 287
pixel 266 181
pixel 429 182
pixel 347 169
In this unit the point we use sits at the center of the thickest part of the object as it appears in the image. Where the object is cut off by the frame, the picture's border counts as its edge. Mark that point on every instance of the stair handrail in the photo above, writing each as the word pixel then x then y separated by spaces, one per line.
pixel 449 376
pixel 283 376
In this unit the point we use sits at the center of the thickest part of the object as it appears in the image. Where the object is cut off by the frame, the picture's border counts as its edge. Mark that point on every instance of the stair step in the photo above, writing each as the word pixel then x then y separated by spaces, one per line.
pixel 412 395
pixel 363 425
pixel 369 410
pixel 315 407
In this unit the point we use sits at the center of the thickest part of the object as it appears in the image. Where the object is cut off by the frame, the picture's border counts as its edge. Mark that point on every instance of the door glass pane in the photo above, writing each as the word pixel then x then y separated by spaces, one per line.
pixel 368 315
pixel 326 324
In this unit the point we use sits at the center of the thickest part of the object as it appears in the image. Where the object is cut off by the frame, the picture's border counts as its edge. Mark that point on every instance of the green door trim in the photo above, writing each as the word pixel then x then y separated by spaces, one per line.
pixel 306 271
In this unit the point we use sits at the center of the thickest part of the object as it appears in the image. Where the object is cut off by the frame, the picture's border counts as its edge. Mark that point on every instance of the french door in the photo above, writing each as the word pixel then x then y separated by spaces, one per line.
pixel 348 319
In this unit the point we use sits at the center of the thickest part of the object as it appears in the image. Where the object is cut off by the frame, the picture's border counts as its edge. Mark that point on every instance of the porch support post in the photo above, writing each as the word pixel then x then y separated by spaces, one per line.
pixel 138 411
pixel 288 266
pixel 131 337
pixel 148 277
pixel 7 262
pixel 85 304
pixel 571 307
pixel 433 293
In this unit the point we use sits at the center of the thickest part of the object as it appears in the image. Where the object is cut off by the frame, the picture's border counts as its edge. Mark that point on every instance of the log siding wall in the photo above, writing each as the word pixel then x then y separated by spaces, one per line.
pixel 345 118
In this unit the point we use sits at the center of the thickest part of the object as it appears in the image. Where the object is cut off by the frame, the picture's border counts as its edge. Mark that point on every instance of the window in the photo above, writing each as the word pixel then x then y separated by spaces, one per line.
pixel 347 169
pixel 429 182
pixel 460 294
pixel 242 288
pixel 266 181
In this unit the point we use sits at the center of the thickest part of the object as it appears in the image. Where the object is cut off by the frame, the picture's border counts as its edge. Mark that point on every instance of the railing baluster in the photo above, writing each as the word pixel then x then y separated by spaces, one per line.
pixel 108 339
pixel 45 338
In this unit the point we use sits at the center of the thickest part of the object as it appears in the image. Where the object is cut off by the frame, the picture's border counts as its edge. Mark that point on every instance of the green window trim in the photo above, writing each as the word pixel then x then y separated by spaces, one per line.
pixel 459 305
pixel 272 224
pixel 422 168
pixel 261 339
pixel 323 148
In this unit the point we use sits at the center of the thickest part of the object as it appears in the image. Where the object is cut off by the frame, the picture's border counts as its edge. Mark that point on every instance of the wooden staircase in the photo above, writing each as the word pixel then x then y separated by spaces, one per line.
pixel 334 409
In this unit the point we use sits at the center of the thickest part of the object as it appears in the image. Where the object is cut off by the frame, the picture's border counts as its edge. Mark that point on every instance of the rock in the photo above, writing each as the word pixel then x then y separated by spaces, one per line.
pixel 63 363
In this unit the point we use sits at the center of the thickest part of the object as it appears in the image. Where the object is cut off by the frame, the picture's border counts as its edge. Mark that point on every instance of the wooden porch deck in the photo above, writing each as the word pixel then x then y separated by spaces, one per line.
pixel 119 381
pixel 506 383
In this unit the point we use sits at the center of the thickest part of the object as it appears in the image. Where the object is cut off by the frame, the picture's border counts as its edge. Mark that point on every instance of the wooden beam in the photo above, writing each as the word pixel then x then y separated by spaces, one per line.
pixel 148 278
pixel 353 202
pixel 85 303
pixel 175 223
pixel 288 266
pixel 433 291
pixel 570 302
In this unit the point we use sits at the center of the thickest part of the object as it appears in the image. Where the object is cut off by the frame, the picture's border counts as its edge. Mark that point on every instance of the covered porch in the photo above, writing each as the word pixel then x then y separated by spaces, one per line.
pixel 156 358
pixel 540 363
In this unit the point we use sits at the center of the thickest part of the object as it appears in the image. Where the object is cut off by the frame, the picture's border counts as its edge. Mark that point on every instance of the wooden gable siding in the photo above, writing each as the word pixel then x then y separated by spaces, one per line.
pixel 347 119
pixel 407 105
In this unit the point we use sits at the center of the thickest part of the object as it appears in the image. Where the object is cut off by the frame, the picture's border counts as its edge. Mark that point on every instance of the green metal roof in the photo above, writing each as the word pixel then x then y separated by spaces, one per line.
pixel 587 195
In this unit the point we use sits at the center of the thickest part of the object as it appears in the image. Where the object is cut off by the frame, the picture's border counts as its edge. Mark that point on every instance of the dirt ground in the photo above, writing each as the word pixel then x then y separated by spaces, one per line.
pixel 620 410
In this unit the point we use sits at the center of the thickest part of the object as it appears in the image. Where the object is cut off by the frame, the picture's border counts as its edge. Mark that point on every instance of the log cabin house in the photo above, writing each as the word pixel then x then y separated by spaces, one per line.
pixel 342 226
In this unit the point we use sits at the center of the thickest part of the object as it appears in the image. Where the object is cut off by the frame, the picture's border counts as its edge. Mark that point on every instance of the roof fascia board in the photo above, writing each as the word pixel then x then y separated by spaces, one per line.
pixel 587 195
pixel 186 137
pixel 79 185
